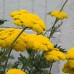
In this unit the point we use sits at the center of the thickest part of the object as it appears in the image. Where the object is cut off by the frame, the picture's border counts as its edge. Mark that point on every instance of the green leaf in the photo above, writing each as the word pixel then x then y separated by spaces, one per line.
pixel 2 21
pixel 60 48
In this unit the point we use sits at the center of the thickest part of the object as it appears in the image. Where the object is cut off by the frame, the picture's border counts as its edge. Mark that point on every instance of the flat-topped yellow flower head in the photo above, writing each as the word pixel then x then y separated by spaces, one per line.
pixel 26 19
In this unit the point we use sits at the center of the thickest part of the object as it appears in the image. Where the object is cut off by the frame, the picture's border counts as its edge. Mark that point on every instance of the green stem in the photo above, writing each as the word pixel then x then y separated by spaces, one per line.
pixel 15 39
pixel 7 60
pixel 10 48
pixel 56 20
pixel 12 43
pixel 50 68
pixel 63 5
pixel 51 33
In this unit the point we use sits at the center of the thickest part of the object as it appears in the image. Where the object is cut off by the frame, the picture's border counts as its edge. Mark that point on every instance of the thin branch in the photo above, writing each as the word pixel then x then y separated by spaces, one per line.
pixel 63 5
pixel 56 20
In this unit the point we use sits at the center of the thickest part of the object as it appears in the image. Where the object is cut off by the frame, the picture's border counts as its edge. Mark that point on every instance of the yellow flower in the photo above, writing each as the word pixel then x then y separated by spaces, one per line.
pixel 55 55
pixel 71 63
pixel 59 14
pixel 15 71
pixel 7 36
pixel 70 53
pixel 25 41
pixel 39 42
pixel 18 22
pixel 19 45
pixel 37 28
pixel 66 68
pixel 16 17
pixel 27 19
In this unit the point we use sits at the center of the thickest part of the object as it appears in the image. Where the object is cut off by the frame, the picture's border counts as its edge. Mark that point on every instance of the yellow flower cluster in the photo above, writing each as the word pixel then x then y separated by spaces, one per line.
pixel 7 37
pixel 39 42
pixel 25 41
pixel 26 19
pixel 15 71
pixel 59 15
pixel 71 63
pixel 69 67
pixel 70 53
pixel 55 55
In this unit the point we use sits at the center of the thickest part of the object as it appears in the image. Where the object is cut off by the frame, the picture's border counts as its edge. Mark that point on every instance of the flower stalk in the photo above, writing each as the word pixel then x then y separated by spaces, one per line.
pixel 63 5
pixel 50 68
pixel 10 48
pixel 56 20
